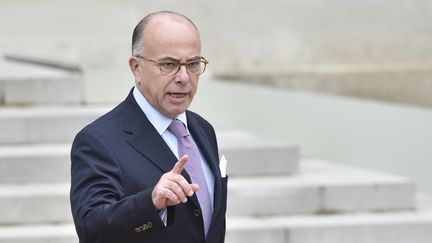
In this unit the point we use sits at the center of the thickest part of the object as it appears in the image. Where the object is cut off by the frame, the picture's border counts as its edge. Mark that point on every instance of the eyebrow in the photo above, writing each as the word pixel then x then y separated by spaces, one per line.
pixel 172 59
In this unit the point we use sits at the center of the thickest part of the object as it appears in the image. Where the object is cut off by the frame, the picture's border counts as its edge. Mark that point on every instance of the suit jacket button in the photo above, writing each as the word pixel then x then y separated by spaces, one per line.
pixel 197 212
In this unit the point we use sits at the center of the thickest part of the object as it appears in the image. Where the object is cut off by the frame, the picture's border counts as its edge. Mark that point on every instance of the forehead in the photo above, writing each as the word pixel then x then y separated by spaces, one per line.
pixel 165 33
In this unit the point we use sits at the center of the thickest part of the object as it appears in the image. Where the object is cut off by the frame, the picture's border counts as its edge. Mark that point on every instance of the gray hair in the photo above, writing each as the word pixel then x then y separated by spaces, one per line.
pixel 137 40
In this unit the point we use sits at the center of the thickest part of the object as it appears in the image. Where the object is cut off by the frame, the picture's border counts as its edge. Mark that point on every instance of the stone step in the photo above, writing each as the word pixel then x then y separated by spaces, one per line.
pixel 51 162
pixel 25 84
pixel 59 124
pixel 45 124
pixel 394 227
pixel 319 188
pixel 49 233
pixel 34 203
pixel 246 153
pixel 34 163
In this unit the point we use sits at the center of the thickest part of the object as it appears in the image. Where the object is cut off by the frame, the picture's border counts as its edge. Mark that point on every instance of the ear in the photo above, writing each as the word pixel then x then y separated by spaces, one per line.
pixel 134 66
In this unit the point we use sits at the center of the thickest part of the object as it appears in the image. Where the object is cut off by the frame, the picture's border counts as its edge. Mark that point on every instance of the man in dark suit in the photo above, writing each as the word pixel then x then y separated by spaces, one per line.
pixel 130 180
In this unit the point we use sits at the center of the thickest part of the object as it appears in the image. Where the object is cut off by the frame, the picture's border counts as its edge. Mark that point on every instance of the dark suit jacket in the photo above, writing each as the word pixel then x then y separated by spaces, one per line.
pixel 116 162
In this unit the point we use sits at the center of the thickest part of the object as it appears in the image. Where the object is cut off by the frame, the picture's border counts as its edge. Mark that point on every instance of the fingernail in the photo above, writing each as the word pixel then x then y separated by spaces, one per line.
pixel 190 194
pixel 185 200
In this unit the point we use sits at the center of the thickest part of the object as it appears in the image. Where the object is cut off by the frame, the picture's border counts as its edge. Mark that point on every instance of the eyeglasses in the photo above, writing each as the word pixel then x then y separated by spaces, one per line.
pixel 172 67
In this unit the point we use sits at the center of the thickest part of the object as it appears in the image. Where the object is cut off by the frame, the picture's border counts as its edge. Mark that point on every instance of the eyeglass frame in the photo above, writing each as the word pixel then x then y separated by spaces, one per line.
pixel 159 64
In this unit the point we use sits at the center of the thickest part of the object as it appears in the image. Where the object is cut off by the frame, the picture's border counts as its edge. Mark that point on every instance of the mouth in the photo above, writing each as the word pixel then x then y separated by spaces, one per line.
pixel 177 95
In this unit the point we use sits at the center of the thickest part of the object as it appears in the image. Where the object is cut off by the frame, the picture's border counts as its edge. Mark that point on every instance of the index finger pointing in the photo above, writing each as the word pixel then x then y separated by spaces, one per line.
pixel 179 166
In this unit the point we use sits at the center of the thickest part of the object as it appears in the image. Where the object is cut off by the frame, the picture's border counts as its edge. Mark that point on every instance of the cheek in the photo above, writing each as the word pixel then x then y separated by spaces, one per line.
pixel 195 86
pixel 151 88
pixel 153 83
pixel 160 87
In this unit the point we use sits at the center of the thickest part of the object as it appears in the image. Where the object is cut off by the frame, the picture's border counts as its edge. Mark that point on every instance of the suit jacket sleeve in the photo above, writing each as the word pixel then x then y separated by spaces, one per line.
pixel 99 207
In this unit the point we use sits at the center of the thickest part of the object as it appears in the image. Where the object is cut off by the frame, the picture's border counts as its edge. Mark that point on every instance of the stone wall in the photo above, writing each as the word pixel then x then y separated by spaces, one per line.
pixel 274 41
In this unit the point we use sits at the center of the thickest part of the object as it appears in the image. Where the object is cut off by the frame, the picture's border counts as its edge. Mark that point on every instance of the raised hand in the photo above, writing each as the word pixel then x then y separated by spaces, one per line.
pixel 172 187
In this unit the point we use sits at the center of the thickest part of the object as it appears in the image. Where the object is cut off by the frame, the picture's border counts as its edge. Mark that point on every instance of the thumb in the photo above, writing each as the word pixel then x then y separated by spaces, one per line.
pixel 195 187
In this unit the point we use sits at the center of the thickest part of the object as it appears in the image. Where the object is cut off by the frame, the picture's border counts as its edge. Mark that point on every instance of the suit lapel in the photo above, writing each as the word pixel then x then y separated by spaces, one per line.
pixel 144 137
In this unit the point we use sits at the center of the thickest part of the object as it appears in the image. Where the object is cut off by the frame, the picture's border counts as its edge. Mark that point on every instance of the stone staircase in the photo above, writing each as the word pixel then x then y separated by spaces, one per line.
pixel 274 196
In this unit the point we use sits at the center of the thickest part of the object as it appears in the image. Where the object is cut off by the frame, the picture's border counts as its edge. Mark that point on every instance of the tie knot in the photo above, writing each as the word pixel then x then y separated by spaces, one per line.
pixel 178 129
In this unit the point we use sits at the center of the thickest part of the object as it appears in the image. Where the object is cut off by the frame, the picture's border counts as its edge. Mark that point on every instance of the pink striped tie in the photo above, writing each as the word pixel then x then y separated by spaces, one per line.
pixel 194 168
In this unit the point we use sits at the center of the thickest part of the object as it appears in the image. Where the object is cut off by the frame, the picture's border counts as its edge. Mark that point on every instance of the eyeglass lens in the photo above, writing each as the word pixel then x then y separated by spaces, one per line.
pixel 196 67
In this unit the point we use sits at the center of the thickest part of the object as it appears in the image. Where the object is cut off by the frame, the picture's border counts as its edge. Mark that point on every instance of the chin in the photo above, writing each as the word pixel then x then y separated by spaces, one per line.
pixel 174 114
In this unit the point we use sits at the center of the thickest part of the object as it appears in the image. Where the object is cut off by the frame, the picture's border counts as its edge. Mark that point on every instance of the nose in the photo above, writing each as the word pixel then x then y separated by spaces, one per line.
pixel 182 74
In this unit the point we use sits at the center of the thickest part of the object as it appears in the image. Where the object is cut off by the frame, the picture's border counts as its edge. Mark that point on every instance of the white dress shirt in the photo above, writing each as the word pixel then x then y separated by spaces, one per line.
pixel 161 123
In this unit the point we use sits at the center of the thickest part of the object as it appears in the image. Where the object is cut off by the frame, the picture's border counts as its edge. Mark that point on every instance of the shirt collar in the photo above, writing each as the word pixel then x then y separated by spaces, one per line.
pixel 157 119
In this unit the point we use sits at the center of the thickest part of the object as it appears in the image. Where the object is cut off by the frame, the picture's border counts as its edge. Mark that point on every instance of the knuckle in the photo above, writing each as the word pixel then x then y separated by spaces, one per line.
pixel 177 177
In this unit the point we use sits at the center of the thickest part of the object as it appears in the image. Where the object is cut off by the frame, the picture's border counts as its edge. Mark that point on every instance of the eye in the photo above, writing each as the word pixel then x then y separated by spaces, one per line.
pixel 194 65
pixel 169 65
